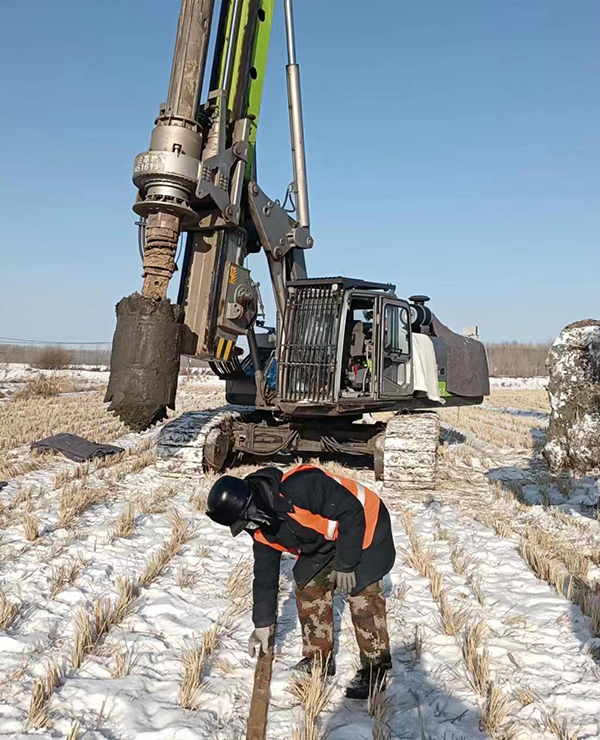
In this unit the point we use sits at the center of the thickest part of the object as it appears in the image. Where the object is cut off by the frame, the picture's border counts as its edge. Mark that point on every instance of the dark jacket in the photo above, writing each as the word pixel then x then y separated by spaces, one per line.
pixel 318 493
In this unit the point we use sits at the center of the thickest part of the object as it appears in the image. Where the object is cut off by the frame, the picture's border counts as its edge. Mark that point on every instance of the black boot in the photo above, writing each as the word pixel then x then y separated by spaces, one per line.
pixel 366 681
pixel 306 665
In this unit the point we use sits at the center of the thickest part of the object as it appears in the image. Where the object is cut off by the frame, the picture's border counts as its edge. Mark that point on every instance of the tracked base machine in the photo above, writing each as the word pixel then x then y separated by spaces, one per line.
pixel 349 367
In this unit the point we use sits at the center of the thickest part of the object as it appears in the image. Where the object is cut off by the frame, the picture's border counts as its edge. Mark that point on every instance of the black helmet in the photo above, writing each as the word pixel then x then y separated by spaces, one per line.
pixel 235 503
pixel 228 500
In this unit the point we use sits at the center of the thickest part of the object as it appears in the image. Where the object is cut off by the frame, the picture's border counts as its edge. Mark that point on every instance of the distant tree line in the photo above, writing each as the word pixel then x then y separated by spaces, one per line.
pixel 60 356
pixel 512 359
pixel 54 356
pixel 516 359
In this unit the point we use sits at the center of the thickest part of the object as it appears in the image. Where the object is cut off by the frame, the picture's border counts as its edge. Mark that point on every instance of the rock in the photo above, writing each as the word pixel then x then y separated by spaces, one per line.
pixel 574 389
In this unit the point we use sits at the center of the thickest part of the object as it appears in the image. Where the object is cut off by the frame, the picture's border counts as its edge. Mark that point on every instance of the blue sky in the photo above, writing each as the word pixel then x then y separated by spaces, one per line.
pixel 453 149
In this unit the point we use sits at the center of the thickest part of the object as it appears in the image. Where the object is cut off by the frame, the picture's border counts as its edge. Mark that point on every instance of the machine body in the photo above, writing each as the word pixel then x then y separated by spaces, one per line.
pixel 340 349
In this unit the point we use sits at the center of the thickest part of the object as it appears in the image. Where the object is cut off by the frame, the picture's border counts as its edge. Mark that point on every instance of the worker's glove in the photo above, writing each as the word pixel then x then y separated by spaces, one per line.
pixel 345 582
pixel 259 641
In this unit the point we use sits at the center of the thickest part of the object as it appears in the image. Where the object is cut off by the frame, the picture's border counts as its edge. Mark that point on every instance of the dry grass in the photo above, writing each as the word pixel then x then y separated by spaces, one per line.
pixel 399 593
pixel 106 614
pixel 459 559
pixel 474 584
pixel 534 400
pixel 576 562
pixel 12 467
pixel 494 713
pixel 199 496
pixel 74 732
pixel 418 558
pixel 123 663
pixel 63 576
pixel 186 577
pixel 502 430
pixel 194 662
pixel 24 420
pixel 38 716
pixel 561 729
pixel 31 527
pixel 43 386
pixel 477 658
pixel 552 570
pixel 224 666
pixel 452 621
pixel 379 707
pixel 313 693
pixel 131 464
pixel 525 697
pixel 418 641
pixel 203 551
pixel 436 583
pixel 547 568
pixel 589 603
pixel 181 532
pixel 239 581
pixel 9 611
pixel 498 522
pixel 75 498
pixel 79 472
pixel 156 502
pixel 84 638
pixel 124 524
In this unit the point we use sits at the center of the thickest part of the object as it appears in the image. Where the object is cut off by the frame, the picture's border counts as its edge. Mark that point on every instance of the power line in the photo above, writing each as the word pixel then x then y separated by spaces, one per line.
pixel 41 341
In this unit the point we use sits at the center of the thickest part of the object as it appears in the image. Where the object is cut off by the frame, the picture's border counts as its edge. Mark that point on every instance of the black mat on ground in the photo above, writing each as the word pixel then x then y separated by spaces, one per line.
pixel 75 448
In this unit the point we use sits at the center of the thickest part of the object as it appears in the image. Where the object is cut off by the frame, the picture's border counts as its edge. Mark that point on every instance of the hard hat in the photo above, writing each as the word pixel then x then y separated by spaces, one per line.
pixel 228 501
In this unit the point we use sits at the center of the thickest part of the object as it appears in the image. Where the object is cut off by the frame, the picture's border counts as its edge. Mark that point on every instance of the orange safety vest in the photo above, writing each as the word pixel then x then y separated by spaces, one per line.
pixel 328 527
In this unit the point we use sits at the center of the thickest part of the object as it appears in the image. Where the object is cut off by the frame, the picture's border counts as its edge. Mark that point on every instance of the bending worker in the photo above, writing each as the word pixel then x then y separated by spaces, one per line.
pixel 341 533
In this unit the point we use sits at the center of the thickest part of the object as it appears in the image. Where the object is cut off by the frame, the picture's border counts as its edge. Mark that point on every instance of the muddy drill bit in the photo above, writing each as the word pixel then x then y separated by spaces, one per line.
pixel 146 345
pixel 162 234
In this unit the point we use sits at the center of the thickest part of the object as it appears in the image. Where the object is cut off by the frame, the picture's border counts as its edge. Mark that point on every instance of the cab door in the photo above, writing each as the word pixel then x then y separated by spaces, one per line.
pixel 394 349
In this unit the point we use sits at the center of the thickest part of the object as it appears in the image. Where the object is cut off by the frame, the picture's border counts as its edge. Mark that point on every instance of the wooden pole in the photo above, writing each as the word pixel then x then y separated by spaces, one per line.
pixel 259 706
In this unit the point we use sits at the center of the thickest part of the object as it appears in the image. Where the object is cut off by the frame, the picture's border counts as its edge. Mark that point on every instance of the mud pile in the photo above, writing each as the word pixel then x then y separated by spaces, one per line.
pixel 144 364
pixel 574 367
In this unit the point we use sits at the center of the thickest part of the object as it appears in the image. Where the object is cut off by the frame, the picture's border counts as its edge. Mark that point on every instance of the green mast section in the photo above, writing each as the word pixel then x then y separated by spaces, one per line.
pixel 249 66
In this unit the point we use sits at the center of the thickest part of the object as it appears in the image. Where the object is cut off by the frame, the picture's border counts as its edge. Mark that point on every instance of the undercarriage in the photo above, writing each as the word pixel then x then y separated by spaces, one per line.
pixel 403 448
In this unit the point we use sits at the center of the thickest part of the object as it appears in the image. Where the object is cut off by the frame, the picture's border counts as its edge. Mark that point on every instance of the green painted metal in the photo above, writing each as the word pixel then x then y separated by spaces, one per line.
pixel 255 88
pixel 255 82
pixel 442 390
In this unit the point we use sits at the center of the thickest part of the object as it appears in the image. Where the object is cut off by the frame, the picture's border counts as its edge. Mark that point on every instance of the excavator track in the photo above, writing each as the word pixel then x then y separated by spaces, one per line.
pixel 198 441
pixel 406 455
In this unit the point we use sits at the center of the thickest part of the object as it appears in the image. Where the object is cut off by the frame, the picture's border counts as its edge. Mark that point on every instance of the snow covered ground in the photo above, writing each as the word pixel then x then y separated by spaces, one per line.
pixel 113 580
pixel 522 384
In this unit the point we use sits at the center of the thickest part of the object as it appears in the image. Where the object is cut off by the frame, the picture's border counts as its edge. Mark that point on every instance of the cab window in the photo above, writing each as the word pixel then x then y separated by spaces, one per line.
pixel 396 330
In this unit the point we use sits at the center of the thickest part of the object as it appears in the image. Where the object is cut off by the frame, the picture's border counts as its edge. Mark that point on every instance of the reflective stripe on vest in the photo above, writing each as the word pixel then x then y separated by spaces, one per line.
pixel 329 527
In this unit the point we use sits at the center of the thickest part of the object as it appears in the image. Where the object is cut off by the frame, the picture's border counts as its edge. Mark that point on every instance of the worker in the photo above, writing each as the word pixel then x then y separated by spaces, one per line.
pixel 340 531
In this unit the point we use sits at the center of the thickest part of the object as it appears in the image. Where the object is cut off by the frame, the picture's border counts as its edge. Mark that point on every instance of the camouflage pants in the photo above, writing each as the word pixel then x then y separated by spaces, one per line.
pixel 367 609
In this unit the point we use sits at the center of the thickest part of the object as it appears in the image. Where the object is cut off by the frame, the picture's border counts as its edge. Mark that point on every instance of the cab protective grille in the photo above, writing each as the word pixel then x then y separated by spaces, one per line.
pixel 308 350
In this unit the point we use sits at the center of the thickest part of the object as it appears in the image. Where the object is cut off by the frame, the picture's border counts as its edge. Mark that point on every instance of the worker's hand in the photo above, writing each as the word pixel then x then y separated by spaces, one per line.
pixel 259 641
pixel 345 582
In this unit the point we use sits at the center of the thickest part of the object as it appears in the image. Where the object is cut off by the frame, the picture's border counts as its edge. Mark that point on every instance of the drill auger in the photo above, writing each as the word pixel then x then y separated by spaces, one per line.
pixel 146 344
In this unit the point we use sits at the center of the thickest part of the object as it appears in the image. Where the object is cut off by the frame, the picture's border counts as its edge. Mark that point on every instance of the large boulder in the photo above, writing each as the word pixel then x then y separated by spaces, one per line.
pixel 574 367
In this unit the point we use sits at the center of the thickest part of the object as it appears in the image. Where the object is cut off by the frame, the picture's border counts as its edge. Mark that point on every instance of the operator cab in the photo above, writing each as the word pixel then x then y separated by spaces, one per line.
pixel 375 361
pixel 345 344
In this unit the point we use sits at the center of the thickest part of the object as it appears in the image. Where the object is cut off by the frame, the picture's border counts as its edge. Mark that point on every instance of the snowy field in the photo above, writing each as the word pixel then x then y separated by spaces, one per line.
pixel 125 612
